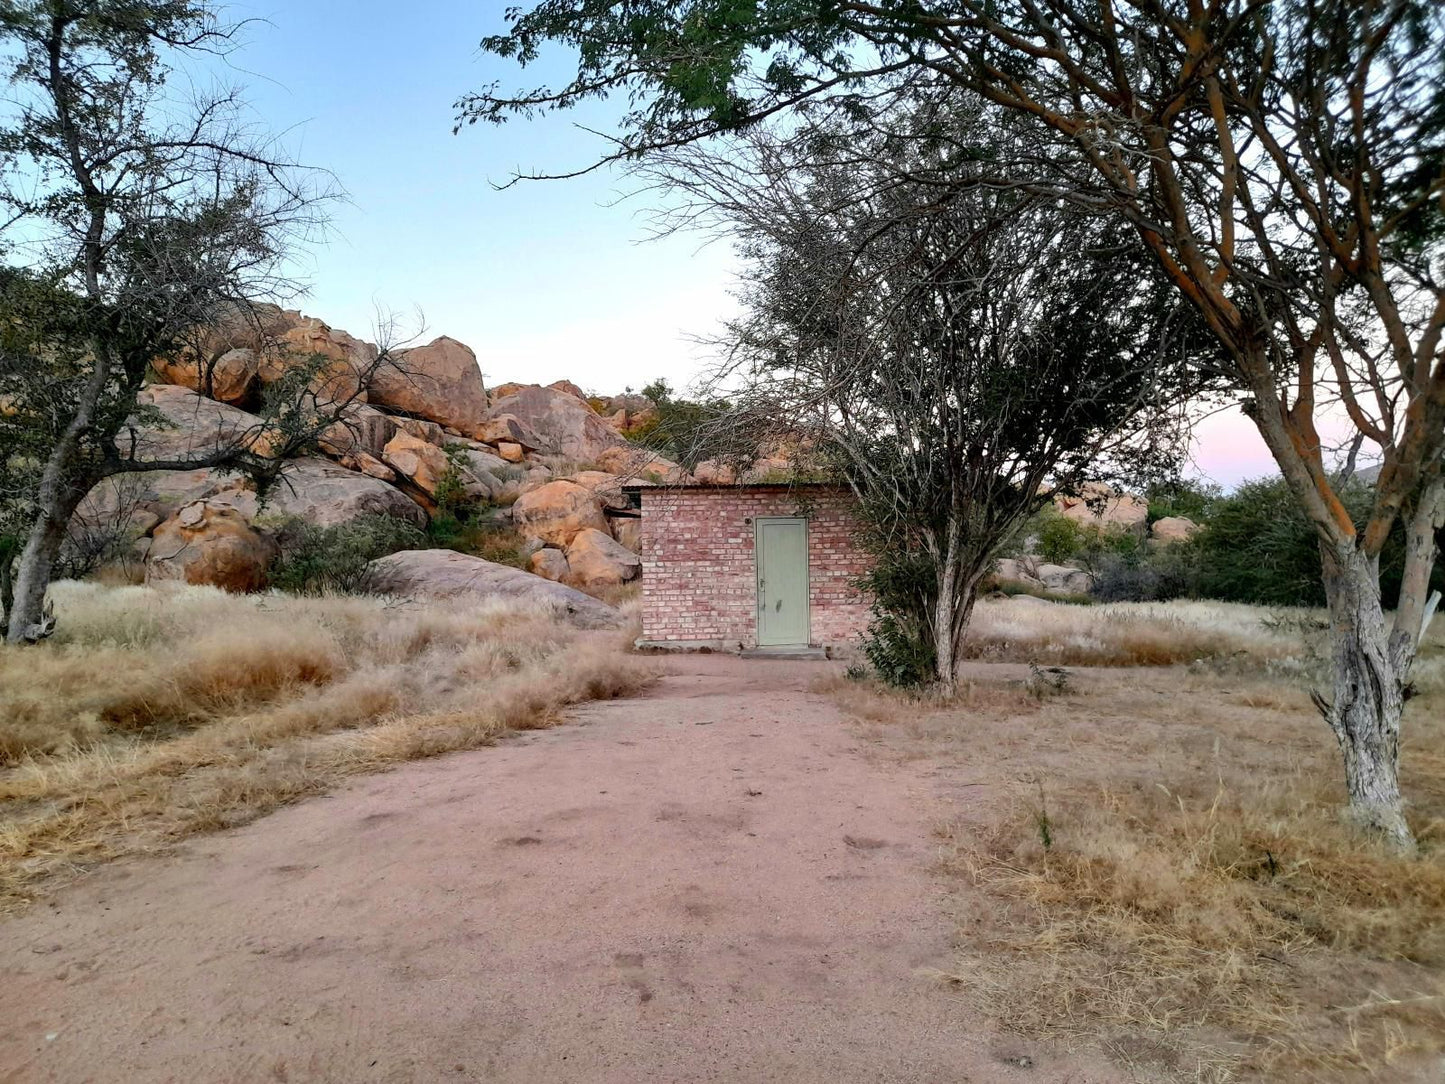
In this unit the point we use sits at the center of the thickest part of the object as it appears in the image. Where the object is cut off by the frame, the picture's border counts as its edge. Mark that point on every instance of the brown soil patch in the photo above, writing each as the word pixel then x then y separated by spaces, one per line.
pixel 719 881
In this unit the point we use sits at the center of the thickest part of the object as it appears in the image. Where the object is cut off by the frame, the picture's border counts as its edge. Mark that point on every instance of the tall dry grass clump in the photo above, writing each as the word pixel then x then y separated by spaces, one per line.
pixel 1152 860
pixel 1132 633
pixel 158 713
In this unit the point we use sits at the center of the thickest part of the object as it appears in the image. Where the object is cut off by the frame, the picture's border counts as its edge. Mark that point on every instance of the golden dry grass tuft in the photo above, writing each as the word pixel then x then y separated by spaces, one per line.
pixel 158 713
pixel 1153 860
pixel 1130 633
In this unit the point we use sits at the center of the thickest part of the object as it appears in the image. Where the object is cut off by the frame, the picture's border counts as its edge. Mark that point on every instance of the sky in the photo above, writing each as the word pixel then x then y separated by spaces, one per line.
pixel 544 280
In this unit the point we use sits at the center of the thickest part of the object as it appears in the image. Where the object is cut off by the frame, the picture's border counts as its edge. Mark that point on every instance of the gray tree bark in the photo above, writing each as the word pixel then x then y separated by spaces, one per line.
pixel 1371 669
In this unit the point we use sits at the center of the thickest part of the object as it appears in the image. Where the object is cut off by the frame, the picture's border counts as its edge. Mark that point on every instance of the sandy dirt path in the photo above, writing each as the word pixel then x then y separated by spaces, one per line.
pixel 717 882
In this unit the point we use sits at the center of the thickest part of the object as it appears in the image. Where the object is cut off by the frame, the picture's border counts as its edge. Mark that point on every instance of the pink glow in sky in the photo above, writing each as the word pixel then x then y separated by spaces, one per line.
pixel 1228 449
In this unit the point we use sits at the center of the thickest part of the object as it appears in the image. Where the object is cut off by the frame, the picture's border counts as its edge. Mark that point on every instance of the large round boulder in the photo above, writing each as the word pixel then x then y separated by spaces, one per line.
pixel 325 494
pixel 596 559
pixel 1062 578
pixel 440 382
pixel 209 543
pixel 1100 505
pixel 566 425
pixel 232 377
pixel 446 574
pixel 1172 529
pixel 557 511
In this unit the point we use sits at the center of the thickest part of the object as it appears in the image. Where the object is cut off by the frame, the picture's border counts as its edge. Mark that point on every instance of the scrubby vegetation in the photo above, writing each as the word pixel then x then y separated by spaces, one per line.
pixel 332 560
pixel 1157 866
pixel 1254 545
pixel 157 713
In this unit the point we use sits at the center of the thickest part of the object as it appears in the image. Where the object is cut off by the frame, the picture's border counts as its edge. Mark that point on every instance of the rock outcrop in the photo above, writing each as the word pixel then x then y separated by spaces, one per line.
pixel 327 495
pixel 440 382
pixel 1102 506
pixel 509 429
pixel 341 361
pixel 1172 529
pixel 1074 581
pixel 420 462
pixel 549 563
pixel 209 543
pixel 522 455
pixel 190 425
pixel 596 559
pixel 557 511
pixel 445 574
pixel 567 426
pixel 636 464
pixel 234 377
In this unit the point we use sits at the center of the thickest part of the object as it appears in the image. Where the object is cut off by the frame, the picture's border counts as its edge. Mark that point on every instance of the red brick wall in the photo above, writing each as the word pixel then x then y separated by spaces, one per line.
pixel 699 579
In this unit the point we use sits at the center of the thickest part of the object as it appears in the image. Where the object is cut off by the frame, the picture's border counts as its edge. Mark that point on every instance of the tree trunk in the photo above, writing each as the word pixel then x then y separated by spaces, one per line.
pixel 1369 693
pixel 32 578
pixel 958 578
pixel 7 581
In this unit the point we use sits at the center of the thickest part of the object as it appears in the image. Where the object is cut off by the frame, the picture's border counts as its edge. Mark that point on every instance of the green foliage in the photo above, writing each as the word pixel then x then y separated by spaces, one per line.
pixel 899 641
pixel 1258 546
pixel 684 430
pixel 1057 537
pixel 1183 498
pixel 451 490
pixel 332 560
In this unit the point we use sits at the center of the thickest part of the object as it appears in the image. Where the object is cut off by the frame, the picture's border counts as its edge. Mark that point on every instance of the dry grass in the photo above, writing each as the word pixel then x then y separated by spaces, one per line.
pixel 156 714
pixel 1131 633
pixel 1153 861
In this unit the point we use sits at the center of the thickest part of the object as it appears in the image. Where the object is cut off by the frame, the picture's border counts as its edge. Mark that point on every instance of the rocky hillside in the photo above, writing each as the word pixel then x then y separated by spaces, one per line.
pixel 547 461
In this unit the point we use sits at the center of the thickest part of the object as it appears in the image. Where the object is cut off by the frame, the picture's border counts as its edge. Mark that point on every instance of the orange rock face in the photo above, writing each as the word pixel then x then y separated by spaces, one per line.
pixel 557 512
pixel 596 559
pixel 550 564
pixel 207 542
pixel 419 460
pixel 440 381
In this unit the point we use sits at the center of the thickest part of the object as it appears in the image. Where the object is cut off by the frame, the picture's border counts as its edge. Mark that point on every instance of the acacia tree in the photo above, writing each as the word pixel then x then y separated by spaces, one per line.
pixel 134 217
pixel 957 355
pixel 1283 162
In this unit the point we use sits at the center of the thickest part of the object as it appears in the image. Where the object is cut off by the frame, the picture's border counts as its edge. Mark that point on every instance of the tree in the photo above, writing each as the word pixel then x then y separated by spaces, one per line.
pixel 1283 161
pixel 956 364
pixel 135 219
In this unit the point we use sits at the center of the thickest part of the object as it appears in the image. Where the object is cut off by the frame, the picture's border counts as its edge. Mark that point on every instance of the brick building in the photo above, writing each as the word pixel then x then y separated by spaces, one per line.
pixel 740 567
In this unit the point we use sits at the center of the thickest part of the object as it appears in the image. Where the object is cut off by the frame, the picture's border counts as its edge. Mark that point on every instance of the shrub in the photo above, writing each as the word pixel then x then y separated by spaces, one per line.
pixel 899 642
pixel 1146 575
pixel 1057 537
pixel 332 560
pixel 1259 547
pixel 1191 500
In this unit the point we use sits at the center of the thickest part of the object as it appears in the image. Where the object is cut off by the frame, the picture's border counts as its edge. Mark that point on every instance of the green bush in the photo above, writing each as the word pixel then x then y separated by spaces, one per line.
pixel 1057 537
pixel 332 560
pixel 1190 500
pixel 1257 546
pixel 899 641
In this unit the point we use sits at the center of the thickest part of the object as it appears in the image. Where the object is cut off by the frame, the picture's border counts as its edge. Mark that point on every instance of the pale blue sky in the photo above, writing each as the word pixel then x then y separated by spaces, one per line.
pixel 545 280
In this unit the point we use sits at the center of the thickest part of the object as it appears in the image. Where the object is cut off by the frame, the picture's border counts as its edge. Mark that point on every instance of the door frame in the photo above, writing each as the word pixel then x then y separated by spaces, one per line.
pixel 758 523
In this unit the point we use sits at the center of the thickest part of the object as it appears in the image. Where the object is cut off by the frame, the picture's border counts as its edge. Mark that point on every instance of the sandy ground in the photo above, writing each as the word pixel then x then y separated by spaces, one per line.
pixel 718 882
